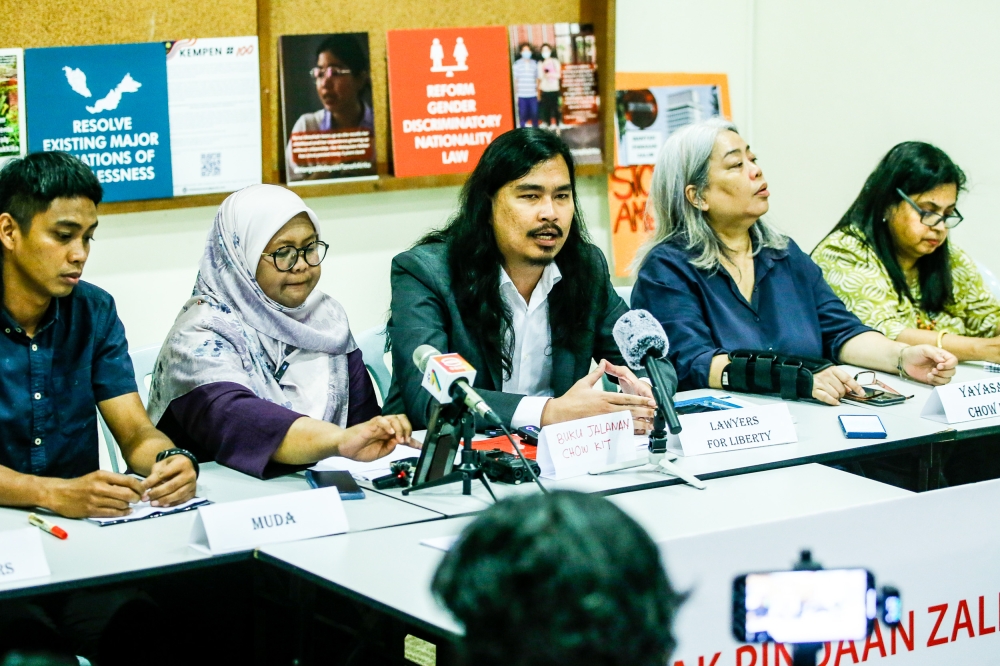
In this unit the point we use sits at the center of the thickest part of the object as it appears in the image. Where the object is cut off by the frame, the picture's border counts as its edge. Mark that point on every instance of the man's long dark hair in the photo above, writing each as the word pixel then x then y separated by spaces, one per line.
pixel 913 167
pixel 474 258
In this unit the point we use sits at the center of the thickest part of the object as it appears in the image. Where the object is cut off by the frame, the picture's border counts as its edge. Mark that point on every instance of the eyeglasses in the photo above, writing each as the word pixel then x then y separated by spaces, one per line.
pixel 867 379
pixel 324 72
pixel 930 218
pixel 286 257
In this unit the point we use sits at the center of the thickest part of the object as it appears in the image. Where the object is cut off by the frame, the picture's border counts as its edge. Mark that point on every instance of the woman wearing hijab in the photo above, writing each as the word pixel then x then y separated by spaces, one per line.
pixel 260 371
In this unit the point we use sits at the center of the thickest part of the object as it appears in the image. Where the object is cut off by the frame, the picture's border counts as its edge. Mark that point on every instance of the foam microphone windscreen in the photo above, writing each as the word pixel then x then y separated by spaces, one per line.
pixel 636 333
pixel 422 354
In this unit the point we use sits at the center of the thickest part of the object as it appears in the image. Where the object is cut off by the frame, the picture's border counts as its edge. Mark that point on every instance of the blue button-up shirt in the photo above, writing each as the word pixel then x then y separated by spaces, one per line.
pixel 792 309
pixel 50 384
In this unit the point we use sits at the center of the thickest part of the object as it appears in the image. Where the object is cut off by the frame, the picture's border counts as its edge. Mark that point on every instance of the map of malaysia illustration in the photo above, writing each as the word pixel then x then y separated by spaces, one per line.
pixel 77 80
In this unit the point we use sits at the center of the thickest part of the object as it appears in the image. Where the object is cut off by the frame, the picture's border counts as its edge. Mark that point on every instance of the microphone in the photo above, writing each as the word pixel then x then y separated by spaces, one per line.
pixel 643 344
pixel 449 377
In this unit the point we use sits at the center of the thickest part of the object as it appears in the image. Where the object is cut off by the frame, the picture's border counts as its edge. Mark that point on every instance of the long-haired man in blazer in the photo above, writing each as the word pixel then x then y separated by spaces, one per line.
pixel 514 285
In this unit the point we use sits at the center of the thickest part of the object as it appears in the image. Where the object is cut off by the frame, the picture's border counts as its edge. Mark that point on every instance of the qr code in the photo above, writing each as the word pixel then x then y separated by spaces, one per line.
pixel 211 165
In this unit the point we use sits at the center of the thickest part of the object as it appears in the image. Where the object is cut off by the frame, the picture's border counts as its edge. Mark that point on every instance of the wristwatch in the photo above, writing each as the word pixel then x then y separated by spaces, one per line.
pixel 163 455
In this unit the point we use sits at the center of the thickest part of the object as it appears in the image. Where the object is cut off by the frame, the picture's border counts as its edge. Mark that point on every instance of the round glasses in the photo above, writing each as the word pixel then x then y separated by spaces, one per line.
pixel 931 219
pixel 325 72
pixel 287 256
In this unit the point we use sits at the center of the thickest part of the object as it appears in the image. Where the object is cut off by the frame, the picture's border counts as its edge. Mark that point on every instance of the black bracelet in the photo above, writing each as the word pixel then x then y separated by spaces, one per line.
pixel 163 455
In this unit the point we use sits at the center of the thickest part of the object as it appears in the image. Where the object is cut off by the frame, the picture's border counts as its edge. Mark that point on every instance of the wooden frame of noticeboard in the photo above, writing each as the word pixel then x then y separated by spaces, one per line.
pixel 81 22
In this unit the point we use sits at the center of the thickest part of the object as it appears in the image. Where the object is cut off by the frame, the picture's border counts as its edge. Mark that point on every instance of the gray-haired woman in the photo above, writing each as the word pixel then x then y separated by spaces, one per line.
pixel 719 278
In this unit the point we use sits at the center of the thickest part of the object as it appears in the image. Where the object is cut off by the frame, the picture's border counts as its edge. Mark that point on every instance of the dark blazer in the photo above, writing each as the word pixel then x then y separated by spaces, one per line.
pixel 424 312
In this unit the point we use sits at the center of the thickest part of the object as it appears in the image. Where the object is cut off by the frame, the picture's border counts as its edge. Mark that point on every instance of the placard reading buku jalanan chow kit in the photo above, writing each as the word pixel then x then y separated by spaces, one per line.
pixel 449 97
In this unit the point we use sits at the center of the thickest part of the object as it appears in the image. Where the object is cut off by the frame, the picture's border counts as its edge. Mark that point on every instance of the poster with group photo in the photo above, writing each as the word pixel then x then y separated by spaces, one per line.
pixel 554 68
pixel 449 96
pixel 327 112
pixel 649 108
pixel 214 105
pixel 13 138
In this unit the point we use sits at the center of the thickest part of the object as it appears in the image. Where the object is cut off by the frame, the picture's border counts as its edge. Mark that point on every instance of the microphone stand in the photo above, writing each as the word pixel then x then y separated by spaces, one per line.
pixel 464 422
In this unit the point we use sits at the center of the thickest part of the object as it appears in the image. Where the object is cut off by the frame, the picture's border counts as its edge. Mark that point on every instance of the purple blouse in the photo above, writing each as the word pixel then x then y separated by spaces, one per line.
pixel 227 423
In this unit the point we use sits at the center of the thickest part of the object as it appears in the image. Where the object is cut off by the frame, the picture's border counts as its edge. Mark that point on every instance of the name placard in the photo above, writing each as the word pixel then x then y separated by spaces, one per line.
pixel 968 401
pixel 22 555
pixel 575 447
pixel 735 429
pixel 233 526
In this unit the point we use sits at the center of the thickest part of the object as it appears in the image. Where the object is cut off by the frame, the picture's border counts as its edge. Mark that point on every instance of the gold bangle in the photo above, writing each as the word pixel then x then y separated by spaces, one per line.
pixel 940 338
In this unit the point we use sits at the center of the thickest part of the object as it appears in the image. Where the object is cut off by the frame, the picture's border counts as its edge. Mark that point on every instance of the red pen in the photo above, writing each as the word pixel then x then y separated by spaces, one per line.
pixel 43 524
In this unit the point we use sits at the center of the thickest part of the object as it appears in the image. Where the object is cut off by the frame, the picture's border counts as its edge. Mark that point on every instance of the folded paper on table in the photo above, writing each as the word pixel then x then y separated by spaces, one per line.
pixel 22 555
pixel 575 447
pixel 968 401
pixel 234 526
pixel 143 510
pixel 734 429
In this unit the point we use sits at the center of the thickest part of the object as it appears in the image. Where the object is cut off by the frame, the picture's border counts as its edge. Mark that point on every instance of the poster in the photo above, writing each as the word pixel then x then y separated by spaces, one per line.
pixel 107 105
pixel 649 108
pixel 13 138
pixel 214 107
pixel 449 96
pixel 554 70
pixel 327 112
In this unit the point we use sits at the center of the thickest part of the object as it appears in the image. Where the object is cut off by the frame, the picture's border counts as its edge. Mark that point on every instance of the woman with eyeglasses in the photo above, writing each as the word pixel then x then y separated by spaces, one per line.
pixel 343 84
pixel 260 371
pixel 721 279
pixel 889 258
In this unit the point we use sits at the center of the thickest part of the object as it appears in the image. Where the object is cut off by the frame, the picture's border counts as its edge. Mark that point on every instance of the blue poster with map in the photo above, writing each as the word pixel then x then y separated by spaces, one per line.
pixel 107 105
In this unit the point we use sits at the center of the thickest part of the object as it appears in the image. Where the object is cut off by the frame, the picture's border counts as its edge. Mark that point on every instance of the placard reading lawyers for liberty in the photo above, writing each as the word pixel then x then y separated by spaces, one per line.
pixel 107 105
pixel 449 97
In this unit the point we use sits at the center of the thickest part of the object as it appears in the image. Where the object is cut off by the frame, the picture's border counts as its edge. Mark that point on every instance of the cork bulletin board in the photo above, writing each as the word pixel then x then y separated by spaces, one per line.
pixel 82 22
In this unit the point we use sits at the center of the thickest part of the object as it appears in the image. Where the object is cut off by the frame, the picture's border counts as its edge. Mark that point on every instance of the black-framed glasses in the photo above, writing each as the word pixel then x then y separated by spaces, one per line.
pixel 287 256
pixel 324 72
pixel 931 219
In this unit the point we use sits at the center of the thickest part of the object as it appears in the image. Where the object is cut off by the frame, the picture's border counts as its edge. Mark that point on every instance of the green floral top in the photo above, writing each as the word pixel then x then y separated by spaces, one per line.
pixel 860 280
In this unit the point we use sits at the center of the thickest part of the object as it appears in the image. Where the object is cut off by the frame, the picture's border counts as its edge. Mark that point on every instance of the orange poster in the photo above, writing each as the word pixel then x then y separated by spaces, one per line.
pixel 628 189
pixel 449 97
pixel 649 108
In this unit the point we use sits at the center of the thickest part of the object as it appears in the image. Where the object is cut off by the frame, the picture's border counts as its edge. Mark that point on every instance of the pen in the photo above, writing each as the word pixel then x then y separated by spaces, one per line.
pixel 43 524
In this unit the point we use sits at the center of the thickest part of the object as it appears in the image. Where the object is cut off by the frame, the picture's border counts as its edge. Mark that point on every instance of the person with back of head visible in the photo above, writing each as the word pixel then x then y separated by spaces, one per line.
pixel 513 284
pixel 720 278
pixel 564 578
pixel 64 352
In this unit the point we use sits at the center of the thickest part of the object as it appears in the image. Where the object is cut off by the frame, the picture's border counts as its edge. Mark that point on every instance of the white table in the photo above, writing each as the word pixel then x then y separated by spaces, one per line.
pixel 820 440
pixel 369 565
pixel 103 554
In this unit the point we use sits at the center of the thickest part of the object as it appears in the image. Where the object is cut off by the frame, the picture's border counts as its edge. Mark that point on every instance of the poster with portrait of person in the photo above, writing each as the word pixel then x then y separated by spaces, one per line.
pixel 554 74
pixel 326 103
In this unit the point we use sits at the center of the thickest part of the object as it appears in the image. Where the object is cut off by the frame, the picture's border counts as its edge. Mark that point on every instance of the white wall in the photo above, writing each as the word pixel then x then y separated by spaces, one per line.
pixel 822 90
pixel 148 261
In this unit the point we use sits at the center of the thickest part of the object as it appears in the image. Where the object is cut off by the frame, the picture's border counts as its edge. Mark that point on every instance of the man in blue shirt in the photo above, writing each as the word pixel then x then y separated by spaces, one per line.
pixel 63 351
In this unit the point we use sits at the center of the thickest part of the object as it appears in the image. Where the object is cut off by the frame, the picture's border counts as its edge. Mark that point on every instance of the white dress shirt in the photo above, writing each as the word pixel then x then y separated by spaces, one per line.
pixel 531 364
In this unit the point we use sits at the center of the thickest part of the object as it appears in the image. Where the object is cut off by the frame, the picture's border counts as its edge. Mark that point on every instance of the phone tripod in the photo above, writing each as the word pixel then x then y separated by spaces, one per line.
pixel 451 426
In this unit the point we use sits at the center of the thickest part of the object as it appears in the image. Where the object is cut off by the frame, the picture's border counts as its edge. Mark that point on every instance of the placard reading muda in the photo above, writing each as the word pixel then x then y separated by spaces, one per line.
pixel 106 105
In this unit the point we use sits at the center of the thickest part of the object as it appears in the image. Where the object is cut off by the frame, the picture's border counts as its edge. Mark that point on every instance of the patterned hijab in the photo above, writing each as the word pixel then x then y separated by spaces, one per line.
pixel 230 331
